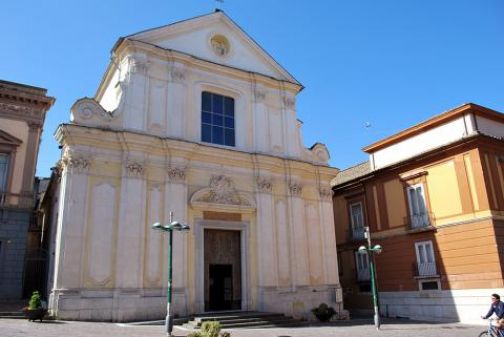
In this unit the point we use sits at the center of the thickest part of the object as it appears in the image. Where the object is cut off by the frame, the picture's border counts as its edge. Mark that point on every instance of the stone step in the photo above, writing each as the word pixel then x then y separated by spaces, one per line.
pixel 244 320
pixel 13 316
pixel 227 317
pixel 262 324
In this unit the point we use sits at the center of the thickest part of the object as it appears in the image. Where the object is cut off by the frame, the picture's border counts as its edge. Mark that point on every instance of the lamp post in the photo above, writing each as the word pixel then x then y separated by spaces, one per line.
pixel 371 250
pixel 172 226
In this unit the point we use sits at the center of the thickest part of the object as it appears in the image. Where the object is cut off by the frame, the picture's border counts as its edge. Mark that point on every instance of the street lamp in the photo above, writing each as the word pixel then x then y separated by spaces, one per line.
pixel 371 250
pixel 172 226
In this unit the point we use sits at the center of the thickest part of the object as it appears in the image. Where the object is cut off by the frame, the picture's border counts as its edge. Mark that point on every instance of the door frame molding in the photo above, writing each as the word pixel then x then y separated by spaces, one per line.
pixel 199 233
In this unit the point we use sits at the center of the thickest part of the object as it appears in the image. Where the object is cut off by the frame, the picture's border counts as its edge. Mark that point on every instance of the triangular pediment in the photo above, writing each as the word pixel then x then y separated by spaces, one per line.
pixel 8 139
pixel 216 38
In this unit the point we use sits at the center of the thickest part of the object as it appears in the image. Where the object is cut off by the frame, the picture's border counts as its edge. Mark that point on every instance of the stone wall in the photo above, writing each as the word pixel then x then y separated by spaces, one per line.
pixel 13 233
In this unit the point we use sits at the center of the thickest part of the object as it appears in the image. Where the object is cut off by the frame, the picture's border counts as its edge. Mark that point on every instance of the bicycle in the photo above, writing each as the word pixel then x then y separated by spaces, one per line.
pixel 492 331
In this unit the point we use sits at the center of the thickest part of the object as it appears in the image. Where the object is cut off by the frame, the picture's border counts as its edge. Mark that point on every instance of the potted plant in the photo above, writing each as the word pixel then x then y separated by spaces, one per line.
pixel 323 312
pixel 34 310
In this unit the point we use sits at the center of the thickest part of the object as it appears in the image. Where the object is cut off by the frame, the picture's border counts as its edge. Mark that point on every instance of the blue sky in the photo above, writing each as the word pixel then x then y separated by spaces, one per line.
pixel 388 63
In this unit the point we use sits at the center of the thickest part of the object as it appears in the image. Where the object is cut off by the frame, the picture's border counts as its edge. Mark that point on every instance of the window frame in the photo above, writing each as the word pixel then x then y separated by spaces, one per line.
pixel 8 146
pixel 208 112
pixel 422 217
pixel 361 207
pixel 356 233
pixel 5 178
pixel 428 280
pixel 359 257
pixel 422 246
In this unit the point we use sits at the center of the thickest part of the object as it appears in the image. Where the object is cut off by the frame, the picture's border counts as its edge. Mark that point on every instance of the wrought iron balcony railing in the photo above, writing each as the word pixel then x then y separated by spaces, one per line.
pixel 425 269
pixel 419 221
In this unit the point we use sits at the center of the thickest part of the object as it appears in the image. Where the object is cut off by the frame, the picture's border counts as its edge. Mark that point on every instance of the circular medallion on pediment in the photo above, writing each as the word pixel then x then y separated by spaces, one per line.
pixel 220 45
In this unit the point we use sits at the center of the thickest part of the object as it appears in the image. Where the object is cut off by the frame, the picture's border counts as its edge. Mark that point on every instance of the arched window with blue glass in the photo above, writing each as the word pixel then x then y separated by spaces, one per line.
pixel 217 119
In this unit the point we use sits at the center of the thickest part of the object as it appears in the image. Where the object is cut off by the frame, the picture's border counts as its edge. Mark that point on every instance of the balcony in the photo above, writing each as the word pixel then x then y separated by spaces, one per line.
pixel 427 269
pixel 420 221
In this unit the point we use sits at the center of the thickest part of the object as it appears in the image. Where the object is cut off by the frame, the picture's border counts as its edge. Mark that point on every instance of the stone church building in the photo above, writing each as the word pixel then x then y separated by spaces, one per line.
pixel 194 118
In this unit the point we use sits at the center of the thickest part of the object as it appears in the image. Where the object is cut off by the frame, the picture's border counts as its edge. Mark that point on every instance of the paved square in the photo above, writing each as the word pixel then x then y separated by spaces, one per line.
pixel 358 328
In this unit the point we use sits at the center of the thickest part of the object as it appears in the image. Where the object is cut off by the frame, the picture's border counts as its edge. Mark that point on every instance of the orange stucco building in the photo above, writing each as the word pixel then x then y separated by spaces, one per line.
pixel 432 196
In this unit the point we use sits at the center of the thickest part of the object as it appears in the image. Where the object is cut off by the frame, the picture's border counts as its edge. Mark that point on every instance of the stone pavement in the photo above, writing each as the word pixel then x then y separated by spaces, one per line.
pixel 357 328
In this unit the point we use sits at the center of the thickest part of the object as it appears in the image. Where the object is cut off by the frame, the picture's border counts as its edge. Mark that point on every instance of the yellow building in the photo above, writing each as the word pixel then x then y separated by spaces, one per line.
pixel 433 197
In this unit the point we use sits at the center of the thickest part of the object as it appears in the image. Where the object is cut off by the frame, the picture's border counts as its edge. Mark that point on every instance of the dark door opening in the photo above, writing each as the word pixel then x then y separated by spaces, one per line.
pixel 222 273
pixel 221 287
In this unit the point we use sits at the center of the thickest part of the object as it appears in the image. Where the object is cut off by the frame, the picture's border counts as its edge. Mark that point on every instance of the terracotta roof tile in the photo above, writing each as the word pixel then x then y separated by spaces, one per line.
pixel 351 173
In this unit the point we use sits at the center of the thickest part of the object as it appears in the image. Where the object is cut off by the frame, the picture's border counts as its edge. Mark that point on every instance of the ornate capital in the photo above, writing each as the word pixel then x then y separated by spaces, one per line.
pixel 80 164
pixel 264 185
pixel 138 65
pixel 295 189
pixel 289 102
pixel 260 95
pixel 134 169
pixel 34 126
pixel 325 193
pixel 176 174
pixel 177 74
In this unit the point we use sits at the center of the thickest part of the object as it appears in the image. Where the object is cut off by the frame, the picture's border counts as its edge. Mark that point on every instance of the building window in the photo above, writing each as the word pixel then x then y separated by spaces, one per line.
pixel 4 170
pixel 418 212
pixel 431 284
pixel 362 266
pixel 426 264
pixel 217 119
pixel 357 220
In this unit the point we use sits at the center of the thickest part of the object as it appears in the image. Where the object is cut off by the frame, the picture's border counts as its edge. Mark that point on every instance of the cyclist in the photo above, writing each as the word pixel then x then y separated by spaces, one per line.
pixel 496 308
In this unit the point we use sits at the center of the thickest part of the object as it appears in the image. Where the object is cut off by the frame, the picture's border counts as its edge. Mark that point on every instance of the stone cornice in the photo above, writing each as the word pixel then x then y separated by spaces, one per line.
pixel 26 95
pixel 70 134
pixel 21 112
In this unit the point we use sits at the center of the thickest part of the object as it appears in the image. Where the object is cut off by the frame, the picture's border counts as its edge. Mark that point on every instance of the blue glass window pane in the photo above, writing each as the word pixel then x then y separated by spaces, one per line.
pixel 229 137
pixel 206 117
pixel 229 122
pixel 217 104
pixel 229 106
pixel 206 101
pixel 217 135
pixel 218 120
pixel 206 133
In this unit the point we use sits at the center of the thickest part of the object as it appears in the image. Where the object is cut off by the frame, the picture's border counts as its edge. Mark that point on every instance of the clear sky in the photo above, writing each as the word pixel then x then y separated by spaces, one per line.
pixel 389 63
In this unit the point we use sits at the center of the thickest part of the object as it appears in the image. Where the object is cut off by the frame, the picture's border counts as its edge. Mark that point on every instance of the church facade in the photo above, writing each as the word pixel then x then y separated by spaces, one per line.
pixel 196 119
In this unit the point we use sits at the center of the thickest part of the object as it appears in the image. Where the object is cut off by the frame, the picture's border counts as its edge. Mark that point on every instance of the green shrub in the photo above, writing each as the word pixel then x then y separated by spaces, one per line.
pixel 225 334
pixel 35 301
pixel 323 309
pixel 210 329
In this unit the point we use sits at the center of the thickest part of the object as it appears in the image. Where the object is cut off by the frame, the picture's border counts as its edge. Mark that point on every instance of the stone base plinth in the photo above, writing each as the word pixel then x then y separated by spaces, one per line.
pixel 298 301
pixel 465 306
pixel 114 305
